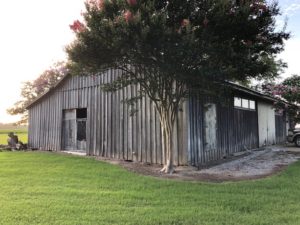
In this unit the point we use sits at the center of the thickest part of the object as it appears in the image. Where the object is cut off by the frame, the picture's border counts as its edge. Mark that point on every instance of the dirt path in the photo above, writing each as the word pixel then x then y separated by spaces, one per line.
pixel 258 164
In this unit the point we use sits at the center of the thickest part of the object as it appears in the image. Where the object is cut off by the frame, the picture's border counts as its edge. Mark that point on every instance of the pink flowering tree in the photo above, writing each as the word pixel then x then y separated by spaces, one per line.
pixel 77 26
pixel 288 95
pixel 171 48
pixel 33 89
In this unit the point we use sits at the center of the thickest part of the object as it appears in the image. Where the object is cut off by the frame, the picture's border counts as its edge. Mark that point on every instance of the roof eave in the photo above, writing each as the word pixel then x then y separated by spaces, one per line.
pixel 47 92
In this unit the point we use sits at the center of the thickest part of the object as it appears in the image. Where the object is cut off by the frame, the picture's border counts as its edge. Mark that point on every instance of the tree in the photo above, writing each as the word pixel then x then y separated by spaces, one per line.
pixel 288 91
pixel 172 47
pixel 33 89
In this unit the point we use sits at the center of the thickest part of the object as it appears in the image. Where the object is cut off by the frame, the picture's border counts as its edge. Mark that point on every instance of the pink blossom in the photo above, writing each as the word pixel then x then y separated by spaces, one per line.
pixel 294 90
pixel 128 16
pixel 268 86
pixel 77 26
pixel 91 2
pixel 100 4
pixel 132 2
pixel 185 22
pixel 275 92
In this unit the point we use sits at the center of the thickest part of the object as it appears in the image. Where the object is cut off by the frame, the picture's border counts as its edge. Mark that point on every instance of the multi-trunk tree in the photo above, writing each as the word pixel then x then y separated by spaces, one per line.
pixel 170 48
pixel 32 89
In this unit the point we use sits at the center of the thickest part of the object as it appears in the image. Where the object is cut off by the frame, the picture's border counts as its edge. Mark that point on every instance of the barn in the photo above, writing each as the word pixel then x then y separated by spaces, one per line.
pixel 76 115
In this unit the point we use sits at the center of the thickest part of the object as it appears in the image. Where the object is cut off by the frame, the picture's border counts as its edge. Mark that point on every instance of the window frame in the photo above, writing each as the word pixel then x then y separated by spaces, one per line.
pixel 235 100
pixel 245 103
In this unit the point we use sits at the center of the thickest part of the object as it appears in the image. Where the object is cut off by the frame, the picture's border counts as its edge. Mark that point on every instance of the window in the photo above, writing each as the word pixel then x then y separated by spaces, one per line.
pixel 81 113
pixel 237 102
pixel 244 103
pixel 252 104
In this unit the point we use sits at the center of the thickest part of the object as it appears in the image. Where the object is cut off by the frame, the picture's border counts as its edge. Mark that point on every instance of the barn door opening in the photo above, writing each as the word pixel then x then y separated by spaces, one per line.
pixel 69 129
pixel 81 115
pixel 210 130
pixel 266 124
pixel 74 129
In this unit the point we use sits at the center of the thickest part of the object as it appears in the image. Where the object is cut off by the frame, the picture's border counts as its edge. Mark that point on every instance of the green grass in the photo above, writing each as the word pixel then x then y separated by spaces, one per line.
pixel 49 188
pixel 21 132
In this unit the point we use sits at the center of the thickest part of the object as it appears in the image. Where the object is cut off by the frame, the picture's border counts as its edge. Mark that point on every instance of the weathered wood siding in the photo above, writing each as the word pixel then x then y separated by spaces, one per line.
pixel 111 131
pixel 206 131
pixel 45 121
pixel 236 130
pixel 280 126
pixel 266 121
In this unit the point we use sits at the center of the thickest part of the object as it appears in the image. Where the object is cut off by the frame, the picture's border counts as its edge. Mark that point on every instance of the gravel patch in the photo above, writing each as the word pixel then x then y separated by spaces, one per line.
pixel 253 165
pixel 258 163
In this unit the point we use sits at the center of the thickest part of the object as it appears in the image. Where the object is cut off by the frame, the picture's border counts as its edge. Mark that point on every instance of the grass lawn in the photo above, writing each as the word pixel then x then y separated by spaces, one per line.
pixel 49 188
pixel 21 132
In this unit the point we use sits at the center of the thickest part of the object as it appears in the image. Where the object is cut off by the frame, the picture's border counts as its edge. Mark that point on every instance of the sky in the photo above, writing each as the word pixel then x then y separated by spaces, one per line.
pixel 291 14
pixel 34 34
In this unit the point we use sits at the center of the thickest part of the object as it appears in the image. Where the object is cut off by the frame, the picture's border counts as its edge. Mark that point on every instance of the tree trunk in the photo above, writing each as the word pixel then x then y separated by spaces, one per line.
pixel 167 125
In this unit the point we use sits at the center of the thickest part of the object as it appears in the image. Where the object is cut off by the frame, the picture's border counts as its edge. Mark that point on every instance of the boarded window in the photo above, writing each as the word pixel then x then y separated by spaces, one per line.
pixel 69 114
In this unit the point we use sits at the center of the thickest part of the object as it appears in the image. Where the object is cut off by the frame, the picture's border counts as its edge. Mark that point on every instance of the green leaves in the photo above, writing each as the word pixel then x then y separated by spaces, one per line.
pixel 191 43
pixel 191 36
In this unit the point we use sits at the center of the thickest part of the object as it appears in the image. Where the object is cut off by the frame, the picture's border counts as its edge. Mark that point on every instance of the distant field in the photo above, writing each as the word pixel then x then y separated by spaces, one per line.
pixel 21 132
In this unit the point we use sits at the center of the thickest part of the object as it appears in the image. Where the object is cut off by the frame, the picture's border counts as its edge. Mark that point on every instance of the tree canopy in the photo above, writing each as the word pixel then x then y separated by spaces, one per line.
pixel 33 89
pixel 289 91
pixel 172 47
pixel 189 39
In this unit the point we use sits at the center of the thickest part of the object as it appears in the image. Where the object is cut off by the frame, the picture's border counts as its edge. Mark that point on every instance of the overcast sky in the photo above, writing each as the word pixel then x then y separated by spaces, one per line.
pixel 35 32
pixel 291 55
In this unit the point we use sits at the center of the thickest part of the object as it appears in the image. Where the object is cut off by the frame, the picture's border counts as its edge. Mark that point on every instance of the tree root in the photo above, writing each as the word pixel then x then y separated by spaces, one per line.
pixel 167 169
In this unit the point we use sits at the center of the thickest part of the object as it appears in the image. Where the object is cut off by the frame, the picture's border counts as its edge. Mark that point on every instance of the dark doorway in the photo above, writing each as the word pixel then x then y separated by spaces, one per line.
pixel 81 116
pixel 74 129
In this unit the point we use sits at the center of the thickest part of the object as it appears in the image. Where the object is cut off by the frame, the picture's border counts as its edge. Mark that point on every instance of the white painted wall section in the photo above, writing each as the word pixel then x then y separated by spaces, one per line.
pixel 266 124
pixel 210 120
